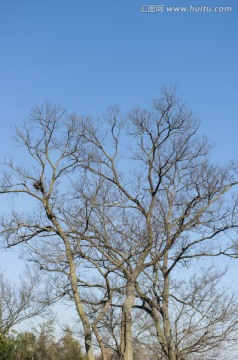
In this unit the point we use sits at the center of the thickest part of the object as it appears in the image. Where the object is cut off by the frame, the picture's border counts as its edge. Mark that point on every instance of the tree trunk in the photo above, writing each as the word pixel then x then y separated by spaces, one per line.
pixel 166 319
pixel 126 329
pixel 100 342
pixel 81 312
pixel 161 338
pixel 74 285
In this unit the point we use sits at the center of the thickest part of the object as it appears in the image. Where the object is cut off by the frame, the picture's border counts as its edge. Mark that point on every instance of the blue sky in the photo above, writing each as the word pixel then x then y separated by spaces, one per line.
pixel 88 55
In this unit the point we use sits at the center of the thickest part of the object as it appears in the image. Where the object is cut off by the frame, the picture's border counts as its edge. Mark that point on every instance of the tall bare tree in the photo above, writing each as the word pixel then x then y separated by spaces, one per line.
pixel 119 207
pixel 51 153
pixel 169 209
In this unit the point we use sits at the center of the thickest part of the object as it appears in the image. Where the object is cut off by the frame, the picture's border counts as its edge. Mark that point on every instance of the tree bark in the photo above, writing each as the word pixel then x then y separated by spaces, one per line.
pixel 100 342
pixel 80 309
pixel 166 319
pixel 74 285
pixel 126 329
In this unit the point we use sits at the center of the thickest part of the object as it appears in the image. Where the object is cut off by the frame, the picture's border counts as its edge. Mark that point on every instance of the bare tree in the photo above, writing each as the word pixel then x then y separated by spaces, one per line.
pixel 117 221
pixel 21 302
pixel 51 140
pixel 53 229
pixel 169 210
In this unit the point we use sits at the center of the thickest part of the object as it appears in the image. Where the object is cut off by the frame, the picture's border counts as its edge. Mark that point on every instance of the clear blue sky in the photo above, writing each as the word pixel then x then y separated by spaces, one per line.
pixel 88 55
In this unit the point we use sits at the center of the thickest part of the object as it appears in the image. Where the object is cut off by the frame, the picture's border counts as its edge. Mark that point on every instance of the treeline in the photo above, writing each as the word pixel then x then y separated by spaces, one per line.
pixel 41 345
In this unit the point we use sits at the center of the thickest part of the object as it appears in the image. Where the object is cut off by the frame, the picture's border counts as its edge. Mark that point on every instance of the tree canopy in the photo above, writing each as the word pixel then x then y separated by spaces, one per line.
pixel 126 210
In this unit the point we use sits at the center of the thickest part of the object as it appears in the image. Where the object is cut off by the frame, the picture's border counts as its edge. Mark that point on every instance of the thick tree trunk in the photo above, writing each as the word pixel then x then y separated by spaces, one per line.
pixel 81 312
pixel 74 285
pixel 166 319
pixel 126 328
